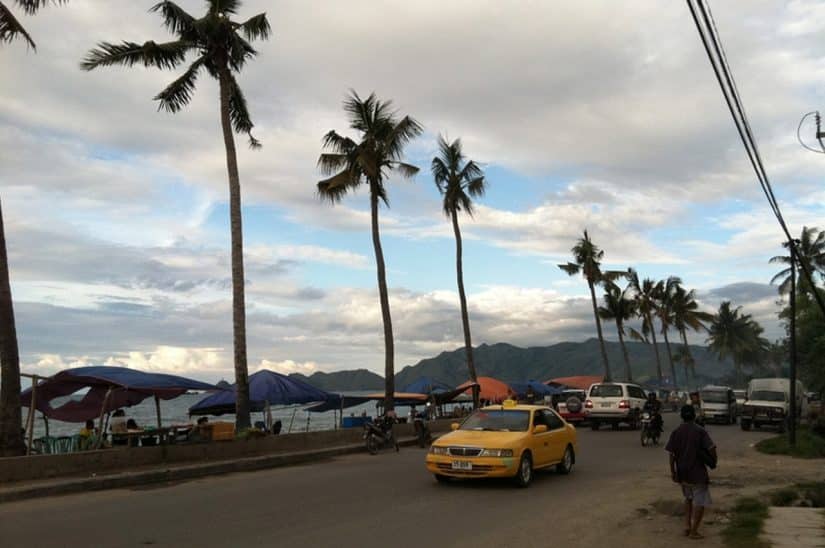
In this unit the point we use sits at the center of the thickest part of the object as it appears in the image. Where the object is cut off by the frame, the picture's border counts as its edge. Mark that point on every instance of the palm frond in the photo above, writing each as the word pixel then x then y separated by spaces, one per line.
pixel 10 28
pixel 477 187
pixel 571 268
pixel 256 27
pixel 471 171
pixel 30 7
pixel 637 336
pixel 151 54
pixel 239 114
pixel 408 171
pixel 175 18
pixel 404 131
pixel 217 7
pixel 338 144
pixel 178 94
pixel 239 51
pixel 331 163
pixel 441 174
pixel 336 187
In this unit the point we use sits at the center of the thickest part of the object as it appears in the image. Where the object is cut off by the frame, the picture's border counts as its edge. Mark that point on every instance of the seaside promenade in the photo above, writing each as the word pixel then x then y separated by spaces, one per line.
pixel 618 491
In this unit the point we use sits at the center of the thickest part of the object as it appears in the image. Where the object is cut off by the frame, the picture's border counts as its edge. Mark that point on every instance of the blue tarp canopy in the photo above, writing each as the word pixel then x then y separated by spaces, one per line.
pixel 427 385
pixel 125 387
pixel 539 389
pixel 264 387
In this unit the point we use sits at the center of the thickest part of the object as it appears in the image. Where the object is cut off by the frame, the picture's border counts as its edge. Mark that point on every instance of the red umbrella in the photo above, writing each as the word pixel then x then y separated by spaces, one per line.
pixel 490 389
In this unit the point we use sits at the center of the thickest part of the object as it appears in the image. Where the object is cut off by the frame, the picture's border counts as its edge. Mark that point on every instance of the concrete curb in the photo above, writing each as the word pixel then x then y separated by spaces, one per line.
pixel 176 473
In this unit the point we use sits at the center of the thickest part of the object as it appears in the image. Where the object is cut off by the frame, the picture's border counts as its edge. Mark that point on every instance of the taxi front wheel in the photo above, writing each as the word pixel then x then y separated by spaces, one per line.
pixel 524 475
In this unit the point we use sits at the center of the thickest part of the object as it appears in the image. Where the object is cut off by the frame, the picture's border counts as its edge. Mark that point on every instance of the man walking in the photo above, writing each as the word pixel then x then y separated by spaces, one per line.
pixel 691 450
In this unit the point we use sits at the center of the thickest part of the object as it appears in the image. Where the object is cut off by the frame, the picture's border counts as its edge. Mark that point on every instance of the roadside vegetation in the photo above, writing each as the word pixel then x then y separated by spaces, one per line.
pixel 746 521
pixel 809 445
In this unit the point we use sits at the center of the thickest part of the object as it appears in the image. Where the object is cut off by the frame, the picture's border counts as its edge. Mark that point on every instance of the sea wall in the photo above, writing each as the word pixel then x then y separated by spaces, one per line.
pixel 124 459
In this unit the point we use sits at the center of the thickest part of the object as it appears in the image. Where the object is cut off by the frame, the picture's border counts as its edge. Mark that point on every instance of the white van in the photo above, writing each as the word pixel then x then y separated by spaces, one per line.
pixel 718 404
pixel 768 403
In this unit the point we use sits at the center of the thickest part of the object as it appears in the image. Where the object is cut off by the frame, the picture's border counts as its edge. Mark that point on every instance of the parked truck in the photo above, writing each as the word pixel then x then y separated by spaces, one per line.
pixel 768 403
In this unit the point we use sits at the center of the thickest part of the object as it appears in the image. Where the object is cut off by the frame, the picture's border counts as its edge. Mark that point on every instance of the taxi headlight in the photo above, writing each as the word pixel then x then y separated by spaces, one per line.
pixel 435 450
pixel 496 453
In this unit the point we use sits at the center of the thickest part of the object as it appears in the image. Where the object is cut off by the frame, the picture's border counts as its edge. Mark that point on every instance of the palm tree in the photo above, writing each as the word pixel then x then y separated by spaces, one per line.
pixel 810 251
pixel 682 356
pixel 644 293
pixel 737 336
pixel 222 47
pixel 369 162
pixel 665 291
pixel 587 257
pixel 10 27
pixel 459 180
pixel 619 308
pixel 11 438
pixel 686 315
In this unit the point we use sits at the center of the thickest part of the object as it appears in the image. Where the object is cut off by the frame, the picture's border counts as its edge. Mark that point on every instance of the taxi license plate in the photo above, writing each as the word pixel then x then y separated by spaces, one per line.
pixel 462 465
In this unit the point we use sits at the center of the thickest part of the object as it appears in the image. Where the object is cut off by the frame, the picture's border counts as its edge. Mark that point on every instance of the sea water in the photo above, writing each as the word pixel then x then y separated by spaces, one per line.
pixel 176 411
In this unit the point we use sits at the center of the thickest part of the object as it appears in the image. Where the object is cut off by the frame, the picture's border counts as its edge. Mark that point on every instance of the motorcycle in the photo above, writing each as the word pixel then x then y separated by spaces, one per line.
pixel 379 435
pixel 422 430
pixel 650 431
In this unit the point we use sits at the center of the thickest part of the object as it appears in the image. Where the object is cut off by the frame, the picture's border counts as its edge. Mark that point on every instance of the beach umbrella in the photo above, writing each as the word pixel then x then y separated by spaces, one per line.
pixel 582 382
pixel 426 385
pixel 539 389
pixel 491 389
pixel 265 387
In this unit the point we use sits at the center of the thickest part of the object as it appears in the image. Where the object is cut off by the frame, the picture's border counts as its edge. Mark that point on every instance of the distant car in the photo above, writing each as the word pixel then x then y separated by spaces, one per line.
pixel 814 402
pixel 769 403
pixel 718 404
pixel 507 440
pixel 571 406
pixel 614 403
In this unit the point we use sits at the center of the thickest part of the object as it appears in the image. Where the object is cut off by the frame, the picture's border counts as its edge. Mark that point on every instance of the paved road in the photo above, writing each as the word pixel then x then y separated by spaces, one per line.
pixel 387 500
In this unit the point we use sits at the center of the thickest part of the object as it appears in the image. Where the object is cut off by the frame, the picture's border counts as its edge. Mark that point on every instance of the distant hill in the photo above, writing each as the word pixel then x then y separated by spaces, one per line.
pixel 344 381
pixel 512 363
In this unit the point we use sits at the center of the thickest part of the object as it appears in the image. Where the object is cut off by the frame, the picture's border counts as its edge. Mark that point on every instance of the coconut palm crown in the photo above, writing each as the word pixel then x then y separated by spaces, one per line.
pixel 811 251
pixel 687 316
pixel 619 307
pixel 645 295
pixel 459 180
pixel 733 334
pixel 11 28
pixel 369 162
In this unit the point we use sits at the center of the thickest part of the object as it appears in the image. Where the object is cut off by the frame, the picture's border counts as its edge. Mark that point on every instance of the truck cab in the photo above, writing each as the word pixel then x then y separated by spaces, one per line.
pixel 769 402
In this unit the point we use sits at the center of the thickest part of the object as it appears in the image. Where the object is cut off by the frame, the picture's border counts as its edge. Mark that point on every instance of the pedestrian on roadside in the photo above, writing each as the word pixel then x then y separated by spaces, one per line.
pixel 691 452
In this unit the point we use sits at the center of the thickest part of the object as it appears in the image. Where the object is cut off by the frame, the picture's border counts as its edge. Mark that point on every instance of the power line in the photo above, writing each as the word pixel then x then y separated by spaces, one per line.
pixel 718 60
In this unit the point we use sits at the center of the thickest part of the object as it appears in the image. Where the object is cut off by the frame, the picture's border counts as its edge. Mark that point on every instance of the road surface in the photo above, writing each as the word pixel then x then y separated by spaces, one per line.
pixel 360 500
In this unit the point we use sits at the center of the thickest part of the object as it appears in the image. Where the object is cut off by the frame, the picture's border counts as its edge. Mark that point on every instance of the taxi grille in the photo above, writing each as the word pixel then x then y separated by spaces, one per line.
pixel 465 451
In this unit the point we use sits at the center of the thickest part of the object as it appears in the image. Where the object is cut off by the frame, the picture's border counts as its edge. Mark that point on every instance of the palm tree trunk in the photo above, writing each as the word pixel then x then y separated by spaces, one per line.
pixel 655 349
pixel 465 317
pixel 607 376
pixel 389 349
pixel 689 357
pixel 11 438
pixel 670 358
pixel 238 300
pixel 628 373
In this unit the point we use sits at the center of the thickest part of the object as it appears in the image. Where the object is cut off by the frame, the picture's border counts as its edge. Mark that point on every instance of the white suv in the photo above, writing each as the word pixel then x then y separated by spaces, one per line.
pixel 614 403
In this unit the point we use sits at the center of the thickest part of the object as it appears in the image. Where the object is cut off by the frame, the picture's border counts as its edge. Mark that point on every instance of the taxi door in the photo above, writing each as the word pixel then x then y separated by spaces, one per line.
pixel 558 436
pixel 541 444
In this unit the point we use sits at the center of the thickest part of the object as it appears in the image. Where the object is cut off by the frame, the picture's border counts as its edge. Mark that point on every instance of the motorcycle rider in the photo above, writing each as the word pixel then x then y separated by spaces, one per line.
pixel 654 408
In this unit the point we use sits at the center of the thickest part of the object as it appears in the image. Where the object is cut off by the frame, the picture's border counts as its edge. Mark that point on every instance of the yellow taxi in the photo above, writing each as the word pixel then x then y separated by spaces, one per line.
pixel 507 440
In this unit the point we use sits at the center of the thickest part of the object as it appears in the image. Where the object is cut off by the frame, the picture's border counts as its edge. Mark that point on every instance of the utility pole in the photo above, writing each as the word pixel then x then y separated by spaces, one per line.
pixel 792 372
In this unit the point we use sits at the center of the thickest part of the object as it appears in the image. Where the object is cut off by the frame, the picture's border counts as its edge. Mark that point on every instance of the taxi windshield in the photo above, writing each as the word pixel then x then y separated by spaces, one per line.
pixel 498 420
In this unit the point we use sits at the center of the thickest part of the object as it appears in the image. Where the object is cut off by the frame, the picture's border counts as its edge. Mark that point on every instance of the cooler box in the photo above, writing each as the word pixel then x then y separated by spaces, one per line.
pixel 222 431
pixel 355 422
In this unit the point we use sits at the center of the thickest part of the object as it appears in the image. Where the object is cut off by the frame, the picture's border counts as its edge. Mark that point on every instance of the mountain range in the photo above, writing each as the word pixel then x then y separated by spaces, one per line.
pixel 512 363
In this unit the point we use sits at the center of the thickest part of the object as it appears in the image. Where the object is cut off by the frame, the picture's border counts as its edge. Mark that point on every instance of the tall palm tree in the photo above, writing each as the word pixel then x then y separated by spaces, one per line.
pixel 682 356
pixel 587 259
pixel 738 336
pixel 459 180
pixel 619 307
pixel 350 164
pixel 11 438
pixel 644 293
pixel 686 315
pixel 10 27
pixel 222 47
pixel 665 291
pixel 810 251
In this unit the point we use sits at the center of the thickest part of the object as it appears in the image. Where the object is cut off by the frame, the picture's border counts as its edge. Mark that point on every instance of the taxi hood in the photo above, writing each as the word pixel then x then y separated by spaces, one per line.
pixel 481 438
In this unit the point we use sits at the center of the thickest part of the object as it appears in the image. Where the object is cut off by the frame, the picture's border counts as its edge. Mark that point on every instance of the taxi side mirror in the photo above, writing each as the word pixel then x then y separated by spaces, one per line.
pixel 540 429
pixel 454 426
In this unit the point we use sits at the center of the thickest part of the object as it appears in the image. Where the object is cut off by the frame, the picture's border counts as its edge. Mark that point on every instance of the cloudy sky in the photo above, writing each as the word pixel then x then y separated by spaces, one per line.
pixel 598 115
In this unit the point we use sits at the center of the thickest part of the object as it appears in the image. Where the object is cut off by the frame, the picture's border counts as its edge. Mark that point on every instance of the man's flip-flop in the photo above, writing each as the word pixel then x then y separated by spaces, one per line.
pixel 696 536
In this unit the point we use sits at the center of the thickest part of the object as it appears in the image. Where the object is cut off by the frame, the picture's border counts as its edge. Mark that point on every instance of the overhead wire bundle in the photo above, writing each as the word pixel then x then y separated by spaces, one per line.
pixel 716 54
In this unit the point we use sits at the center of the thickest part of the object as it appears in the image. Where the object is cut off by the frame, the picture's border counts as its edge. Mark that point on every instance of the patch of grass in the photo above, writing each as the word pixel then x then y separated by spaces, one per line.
pixel 784 497
pixel 746 521
pixel 809 445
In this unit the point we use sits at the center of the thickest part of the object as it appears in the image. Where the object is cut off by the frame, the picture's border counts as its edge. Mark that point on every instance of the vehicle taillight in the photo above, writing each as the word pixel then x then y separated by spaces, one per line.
pixel 588 404
pixel 624 404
